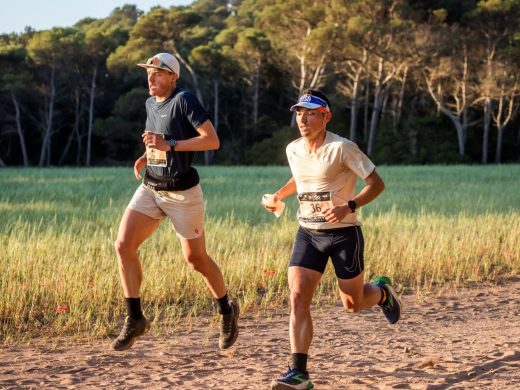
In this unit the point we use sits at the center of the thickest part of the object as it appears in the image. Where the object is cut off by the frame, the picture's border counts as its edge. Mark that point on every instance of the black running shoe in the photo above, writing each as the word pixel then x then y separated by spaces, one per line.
pixel 392 304
pixel 131 331
pixel 293 379
pixel 229 327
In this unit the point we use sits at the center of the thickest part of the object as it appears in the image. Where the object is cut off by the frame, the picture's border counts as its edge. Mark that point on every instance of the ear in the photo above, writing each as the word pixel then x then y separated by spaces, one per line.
pixel 328 117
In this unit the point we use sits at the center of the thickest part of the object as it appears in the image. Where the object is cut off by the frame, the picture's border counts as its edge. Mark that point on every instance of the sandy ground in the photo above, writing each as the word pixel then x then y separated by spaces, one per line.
pixel 462 339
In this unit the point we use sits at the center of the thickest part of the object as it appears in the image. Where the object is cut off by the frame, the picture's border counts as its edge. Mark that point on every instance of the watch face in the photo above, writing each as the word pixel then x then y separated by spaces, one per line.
pixel 172 142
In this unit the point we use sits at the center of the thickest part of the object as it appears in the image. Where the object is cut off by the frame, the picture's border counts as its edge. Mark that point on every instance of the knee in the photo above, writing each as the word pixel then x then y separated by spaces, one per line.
pixel 196 262
pixel 123 249
pixel 299 304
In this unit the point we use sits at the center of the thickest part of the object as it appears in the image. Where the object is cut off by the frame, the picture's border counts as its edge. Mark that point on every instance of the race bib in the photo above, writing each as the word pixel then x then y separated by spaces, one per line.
pixel 312 206
pixel 155 157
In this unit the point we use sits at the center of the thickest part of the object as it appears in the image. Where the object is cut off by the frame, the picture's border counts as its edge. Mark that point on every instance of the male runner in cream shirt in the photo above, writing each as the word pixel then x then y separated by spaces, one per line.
pixel 325 168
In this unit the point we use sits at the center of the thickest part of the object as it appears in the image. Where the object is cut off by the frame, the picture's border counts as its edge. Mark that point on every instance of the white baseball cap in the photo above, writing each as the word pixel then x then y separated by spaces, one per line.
pixel 165 61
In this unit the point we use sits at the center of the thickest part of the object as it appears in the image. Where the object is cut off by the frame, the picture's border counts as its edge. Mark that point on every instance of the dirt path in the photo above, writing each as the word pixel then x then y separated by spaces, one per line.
pixel 458 340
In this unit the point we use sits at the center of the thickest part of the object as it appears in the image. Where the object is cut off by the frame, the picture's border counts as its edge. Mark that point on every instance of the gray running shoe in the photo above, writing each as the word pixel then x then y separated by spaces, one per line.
pixel 229 327
pixel 392 305
pixel 131 331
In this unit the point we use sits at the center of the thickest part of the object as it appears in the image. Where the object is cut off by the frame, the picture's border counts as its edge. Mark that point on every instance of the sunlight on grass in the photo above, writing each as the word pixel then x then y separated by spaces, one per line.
pixel 433 226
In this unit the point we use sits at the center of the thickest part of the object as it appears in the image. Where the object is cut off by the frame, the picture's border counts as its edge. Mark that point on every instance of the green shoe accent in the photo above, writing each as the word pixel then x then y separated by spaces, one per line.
pixel 392 306
pixel 382 280
pixel 293 379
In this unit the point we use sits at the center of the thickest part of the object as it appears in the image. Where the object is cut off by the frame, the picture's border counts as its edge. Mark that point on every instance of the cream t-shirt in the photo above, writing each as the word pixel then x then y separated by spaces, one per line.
pixel 326 178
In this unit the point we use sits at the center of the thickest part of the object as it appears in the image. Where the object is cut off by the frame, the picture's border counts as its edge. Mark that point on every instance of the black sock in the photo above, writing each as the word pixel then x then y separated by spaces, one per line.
pixel 223 305
pixel 299 361
pixel 133 308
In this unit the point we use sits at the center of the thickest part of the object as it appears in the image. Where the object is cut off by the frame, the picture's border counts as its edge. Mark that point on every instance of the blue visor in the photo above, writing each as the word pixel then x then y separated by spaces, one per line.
pixel 311 102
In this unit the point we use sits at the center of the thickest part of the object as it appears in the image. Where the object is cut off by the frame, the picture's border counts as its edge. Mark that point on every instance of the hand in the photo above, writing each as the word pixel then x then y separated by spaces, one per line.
pixel 271 209
pixel 139 164
pixel 336 213
pixel 156 141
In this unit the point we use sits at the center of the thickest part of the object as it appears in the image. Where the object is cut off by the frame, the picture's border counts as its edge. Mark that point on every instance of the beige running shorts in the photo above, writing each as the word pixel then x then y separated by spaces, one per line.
pixel 184 208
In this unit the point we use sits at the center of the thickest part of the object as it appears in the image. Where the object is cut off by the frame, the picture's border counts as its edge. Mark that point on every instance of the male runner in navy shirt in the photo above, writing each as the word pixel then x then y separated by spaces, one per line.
pixel 176 126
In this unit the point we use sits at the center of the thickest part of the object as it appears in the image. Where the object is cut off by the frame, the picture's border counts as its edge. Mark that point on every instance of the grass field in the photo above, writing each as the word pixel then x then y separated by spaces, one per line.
pixel 433 226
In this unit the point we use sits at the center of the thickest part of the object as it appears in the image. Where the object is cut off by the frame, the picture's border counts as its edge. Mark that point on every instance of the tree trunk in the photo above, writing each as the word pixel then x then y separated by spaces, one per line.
pixel 376 112
pixel 301 86
pixel 487 126
pixel 198 91
pixel 216 104
pixel 414 150
pixel 45 149
pixel 460 135
pixel 74 130
pixel 374 121
pixel 256 94
pixel 399 109
pixel 48 158
pixel 209 154
pixel 91 116
pixel 78 142
pixel 356 82
pixel 367 108
pixel 459 128
pixel 19 130
pixel 500 138
pixel 192 73
pixel 354 108
pixel 503 117
pixel 455 118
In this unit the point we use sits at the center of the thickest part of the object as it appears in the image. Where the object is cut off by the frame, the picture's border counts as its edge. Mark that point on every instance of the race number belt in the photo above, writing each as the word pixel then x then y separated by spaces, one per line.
pixel 312 206
pixel 184 182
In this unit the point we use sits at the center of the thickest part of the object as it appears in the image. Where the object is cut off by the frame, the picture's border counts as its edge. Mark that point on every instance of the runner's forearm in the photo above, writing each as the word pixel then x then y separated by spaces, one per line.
pixel 197 144
pixel 374 187
pixel 206 140
pixel 287 190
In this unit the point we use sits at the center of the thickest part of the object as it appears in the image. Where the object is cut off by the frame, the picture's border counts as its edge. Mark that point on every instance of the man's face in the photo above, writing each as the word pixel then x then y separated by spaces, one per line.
pixel 312 123
pixel 160 82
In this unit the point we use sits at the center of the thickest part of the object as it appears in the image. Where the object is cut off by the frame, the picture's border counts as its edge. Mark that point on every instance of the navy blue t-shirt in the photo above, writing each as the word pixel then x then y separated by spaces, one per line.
pixel 177 117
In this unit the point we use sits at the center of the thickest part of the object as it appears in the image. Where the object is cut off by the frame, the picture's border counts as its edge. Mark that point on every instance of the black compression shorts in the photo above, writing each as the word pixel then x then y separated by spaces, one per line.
pixel 345 247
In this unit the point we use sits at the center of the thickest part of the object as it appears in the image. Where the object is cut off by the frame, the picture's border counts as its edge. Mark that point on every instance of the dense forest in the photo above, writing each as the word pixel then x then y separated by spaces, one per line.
pixel 412 82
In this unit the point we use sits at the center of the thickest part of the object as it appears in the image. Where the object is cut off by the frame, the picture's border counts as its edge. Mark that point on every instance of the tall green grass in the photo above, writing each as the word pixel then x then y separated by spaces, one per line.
pixel 432 226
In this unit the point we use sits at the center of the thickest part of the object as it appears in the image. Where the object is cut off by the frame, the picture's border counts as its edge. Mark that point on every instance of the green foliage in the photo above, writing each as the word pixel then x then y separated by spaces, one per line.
pixel 53 47
pixel 250 59
pixel 271 151
pixel 120 135
pixel 433 136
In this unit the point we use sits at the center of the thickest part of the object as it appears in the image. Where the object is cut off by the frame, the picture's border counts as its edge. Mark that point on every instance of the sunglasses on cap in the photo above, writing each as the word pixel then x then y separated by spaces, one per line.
pixel 157 63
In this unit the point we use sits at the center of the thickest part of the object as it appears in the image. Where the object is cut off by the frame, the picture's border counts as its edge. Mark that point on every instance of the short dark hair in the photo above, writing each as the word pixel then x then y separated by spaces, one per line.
pixel 318 93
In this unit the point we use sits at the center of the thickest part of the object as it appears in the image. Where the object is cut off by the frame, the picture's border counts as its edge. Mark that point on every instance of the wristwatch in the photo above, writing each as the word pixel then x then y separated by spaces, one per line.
pixel 352 205
pixel 172 143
